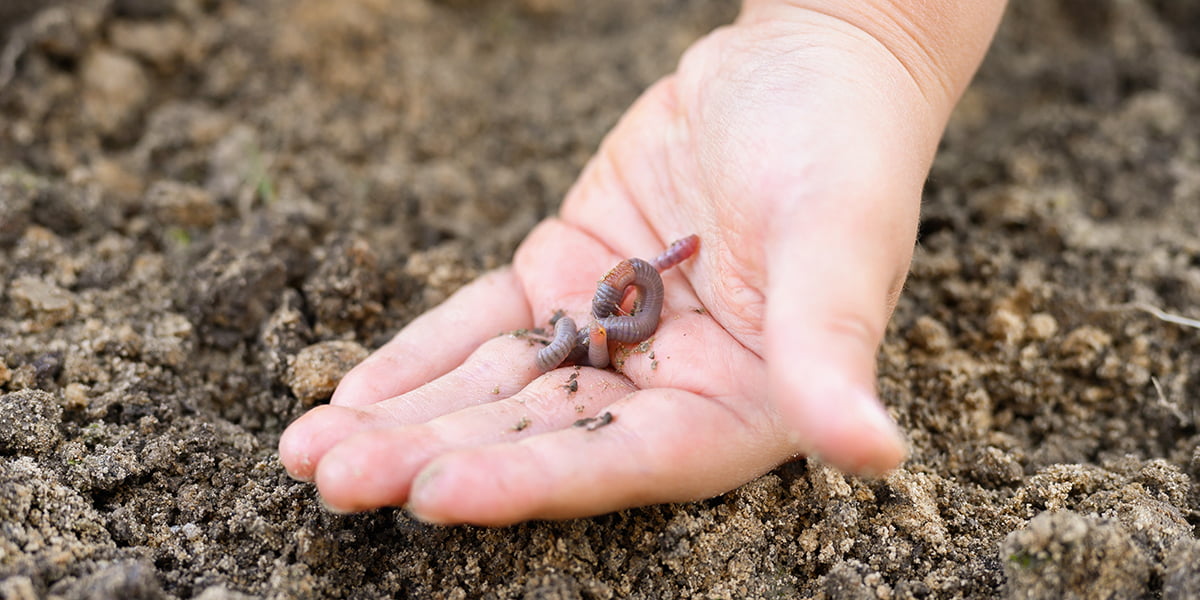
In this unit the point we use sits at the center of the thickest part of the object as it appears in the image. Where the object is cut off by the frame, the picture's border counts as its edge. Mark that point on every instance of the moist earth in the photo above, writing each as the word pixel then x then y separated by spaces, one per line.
pixel 210 209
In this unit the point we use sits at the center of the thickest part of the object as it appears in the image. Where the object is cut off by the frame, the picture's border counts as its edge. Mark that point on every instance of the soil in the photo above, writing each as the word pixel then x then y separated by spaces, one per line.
pixel 209 209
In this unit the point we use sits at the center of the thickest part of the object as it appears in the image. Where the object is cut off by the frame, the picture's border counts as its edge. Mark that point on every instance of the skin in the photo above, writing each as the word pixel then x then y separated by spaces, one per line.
pixel 795 143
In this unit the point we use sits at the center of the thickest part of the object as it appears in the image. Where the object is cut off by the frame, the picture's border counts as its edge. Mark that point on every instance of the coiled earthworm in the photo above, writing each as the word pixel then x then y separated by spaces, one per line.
pixel 648 285
pixel 589 345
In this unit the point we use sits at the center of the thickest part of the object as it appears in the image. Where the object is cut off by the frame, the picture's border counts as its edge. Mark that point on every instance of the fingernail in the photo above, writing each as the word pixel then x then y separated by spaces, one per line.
pixel 889 442
pixel 423 494
pixel 420 516
pixel 852 432
pixel 305 464
pixel 333 509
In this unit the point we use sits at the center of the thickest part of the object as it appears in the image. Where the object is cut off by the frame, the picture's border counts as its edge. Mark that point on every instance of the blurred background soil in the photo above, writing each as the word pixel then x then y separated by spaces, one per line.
pixel 209 209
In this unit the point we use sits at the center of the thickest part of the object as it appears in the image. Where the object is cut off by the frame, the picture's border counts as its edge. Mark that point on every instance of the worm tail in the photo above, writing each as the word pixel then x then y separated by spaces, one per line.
pixel 597 346
pixel 679 251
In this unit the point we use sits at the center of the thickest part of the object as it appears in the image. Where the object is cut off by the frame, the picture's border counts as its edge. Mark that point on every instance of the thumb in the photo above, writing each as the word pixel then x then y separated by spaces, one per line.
pixel 830 294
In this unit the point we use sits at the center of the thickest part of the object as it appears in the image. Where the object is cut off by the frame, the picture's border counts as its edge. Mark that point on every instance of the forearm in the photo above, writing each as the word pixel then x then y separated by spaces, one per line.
pixel 940 43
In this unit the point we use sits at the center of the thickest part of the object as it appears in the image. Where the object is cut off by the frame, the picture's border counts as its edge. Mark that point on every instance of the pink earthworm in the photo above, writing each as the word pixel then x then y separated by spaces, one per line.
pixel 679 251
pixel 589 345
pixel 597 355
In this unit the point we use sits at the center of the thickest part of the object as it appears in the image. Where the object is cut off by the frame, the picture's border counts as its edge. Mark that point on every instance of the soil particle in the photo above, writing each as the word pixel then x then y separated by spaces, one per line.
pixel 51 531
pixel 64 33
pixel 15 201
pixel 442 269
pixel 115 90
pixel 43 305
pixel 15 11
pixel 161 44
pixel 178 204
pixel 316 370
pixel 132 579
pixel 1182 578
pixel 594 423
pixel 143 9
pixel 231 292
pixel 848 579
pixel 29 421
pixel 930 334
pixel 284 334
pixel 345 293
pixel 221 592
pixel 1063 554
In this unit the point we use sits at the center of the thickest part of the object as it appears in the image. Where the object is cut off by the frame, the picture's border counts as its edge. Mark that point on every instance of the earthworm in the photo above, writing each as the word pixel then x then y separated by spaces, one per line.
pixel 589 345
pixel 554 353
pixel 644 278
pixel 677 252
pixel 597 346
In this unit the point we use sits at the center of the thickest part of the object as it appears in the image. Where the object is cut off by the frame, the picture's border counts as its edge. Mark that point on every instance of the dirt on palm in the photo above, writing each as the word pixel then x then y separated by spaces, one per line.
pixel 209 209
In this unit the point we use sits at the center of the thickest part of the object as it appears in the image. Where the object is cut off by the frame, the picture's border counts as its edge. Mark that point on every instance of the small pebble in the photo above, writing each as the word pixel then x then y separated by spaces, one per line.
pixel 317 369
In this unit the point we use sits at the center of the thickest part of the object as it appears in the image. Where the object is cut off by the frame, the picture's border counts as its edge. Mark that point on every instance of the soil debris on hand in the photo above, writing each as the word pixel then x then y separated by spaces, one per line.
pixel 594 423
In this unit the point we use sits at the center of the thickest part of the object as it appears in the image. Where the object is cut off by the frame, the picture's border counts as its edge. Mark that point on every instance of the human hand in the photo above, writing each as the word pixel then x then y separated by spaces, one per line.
pixel 795 145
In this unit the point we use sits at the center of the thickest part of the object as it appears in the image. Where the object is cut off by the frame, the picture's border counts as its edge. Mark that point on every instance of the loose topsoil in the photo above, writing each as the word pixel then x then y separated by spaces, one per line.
pixel 209 209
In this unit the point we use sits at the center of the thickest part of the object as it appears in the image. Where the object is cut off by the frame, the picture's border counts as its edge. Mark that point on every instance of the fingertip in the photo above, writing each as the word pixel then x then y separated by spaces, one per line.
pixel 359 386
pixel 306 440
pixel 435 499
pixel 425 502
pixel 340 477
pixel 844 426
pixel 343 478
pixel 295 444
pixel 470 486
pixel 825 320
pixel 374 468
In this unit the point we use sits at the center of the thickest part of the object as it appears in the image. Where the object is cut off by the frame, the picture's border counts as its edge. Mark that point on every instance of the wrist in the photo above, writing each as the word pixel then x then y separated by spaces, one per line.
pixel 939 43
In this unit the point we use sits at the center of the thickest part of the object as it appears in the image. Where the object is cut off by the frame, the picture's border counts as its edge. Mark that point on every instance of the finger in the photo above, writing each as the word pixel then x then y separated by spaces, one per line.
pixel 828 302
pixel 661 446
pixel 499 368
pixel 376 468
pixel 438 340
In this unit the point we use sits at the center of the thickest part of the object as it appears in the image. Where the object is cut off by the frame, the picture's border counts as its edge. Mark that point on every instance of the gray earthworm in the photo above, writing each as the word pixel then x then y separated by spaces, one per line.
pixel 558 349
pixel 589 345
pixel 645 280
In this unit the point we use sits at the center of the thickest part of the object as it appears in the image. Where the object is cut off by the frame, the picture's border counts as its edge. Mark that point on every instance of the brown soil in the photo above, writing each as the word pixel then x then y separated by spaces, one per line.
pixel 209 208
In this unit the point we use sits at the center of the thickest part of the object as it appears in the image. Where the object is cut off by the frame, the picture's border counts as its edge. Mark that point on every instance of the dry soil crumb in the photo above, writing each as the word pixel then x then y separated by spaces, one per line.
pixel 316 370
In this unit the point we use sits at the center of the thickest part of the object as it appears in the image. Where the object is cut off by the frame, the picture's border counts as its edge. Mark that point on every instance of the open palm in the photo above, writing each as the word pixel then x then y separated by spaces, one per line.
pixel 796 151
